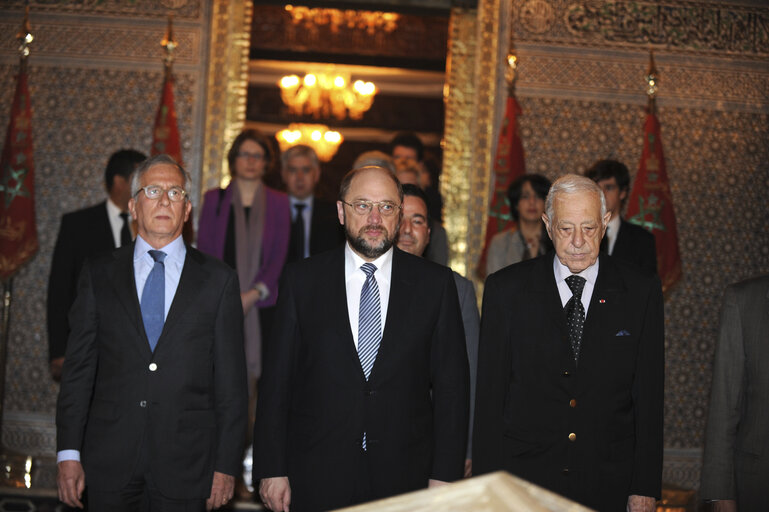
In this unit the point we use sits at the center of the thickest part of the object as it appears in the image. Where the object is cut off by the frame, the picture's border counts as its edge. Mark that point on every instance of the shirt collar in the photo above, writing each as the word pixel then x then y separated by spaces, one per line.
pixel 113 210
pixel 175 251
pixel 307 201
pixel 613 225
pixel 562 271
pixel 353 262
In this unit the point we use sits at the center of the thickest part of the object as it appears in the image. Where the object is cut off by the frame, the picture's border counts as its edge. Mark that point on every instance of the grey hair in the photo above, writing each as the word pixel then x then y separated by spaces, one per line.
pixel 571 184
pixel 136 177
pixel 299 150
pixel 374 159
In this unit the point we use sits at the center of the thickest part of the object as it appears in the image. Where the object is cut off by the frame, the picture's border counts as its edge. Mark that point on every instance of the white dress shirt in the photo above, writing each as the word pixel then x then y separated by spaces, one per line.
pixel 354 278
pixel 176 251
pixel 562 272
pixel 306 215
pixel 116 221
pixel 612 230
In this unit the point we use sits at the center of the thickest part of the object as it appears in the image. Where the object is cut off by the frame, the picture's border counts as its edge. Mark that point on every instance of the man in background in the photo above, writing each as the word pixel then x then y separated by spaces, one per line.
pixel 414 237
pixel 735 470
pixel 85 233
pixel 314 226
pixel 623 240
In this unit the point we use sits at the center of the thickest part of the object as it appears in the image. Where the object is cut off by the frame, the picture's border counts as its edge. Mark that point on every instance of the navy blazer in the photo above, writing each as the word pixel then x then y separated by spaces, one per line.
pixel 315 403
pixel 590 431
pixel 187 400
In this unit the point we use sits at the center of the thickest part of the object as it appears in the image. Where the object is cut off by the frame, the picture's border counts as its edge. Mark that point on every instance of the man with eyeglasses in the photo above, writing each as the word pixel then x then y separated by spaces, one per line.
pixel 365 393
pixel 85 233
pixel 152 409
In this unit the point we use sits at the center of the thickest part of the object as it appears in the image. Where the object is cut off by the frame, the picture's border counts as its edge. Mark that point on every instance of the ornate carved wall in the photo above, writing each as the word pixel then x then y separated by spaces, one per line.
pixel 95 76
pixel 581 69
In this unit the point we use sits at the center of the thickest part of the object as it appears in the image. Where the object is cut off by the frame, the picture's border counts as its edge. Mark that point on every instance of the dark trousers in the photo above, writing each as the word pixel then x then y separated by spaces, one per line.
pixel 141 494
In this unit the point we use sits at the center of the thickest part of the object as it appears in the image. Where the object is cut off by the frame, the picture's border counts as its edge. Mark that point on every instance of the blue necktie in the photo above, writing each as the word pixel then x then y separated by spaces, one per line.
pixel 154 299
pixel 369 324
pixel 369 320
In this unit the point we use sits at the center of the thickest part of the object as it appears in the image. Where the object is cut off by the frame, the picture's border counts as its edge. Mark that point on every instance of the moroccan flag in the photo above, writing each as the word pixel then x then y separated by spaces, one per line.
pixel 165 136
pixel 508 165
pixel 651 204
pixel 18 232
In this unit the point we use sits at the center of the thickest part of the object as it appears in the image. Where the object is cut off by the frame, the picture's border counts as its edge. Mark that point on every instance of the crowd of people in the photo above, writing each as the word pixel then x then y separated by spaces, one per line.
pixel 331 341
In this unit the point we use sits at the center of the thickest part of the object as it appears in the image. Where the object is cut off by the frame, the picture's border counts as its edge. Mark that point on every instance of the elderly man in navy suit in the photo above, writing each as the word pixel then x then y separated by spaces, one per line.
pixel 570 365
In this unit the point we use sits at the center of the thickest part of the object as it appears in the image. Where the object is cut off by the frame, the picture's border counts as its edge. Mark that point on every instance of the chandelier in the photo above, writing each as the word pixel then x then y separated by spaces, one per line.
pixel 371 21
pixel 324 95
pixel 325 142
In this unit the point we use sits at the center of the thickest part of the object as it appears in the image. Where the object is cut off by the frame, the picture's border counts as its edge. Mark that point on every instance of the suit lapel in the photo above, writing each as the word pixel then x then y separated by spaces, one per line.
pixel 543 283
pixel 191 283
pixel 104 228
pixel 398 307
pixel 605 303
pixel 124 286
pixel 337 292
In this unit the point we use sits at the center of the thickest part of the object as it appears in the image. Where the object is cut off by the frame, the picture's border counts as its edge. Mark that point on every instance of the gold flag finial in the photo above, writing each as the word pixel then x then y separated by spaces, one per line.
pixel 168 42
pixel 511 71
pixel 24 36
pixel 652 79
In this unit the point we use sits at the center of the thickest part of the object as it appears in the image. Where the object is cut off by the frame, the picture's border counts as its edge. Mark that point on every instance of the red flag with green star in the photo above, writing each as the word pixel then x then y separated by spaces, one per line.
pixel 651 205
pixel 508 165
pixel 18 231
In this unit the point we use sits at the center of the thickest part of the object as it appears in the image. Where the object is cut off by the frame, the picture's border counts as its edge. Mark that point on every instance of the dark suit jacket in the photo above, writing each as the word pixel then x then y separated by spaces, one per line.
pixel 736 457
pixel 531 396
pixel 325 231
pixel 315 403
pixel 83 233
pixel 186 401
pixel 636 245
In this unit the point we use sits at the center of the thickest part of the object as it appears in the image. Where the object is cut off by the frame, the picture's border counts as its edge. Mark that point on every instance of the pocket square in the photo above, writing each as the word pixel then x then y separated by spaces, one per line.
pixel 623 332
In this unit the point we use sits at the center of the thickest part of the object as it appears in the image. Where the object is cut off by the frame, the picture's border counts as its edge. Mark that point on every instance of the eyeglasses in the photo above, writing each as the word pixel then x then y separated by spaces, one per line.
pixel 386 208
pixel 154 192
pixel 249 156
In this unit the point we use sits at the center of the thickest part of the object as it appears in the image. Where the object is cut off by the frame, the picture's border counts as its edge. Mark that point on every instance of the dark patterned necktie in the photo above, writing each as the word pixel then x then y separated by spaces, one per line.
pixel 297 233
pixel 125 231
pixel 154 298
pixel 575 314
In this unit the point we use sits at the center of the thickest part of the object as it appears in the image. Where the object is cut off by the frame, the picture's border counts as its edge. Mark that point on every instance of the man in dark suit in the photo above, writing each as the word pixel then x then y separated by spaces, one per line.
pixel 153 394
pixel 735 469
pixel 365 392
pixel 85 233
pixel 413 238
pixel 623 240
pixel 570 365
pixel 314 227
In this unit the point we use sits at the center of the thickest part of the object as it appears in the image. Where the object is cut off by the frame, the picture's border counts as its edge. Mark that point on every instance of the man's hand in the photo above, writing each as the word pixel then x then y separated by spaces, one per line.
pixel 435 483
pixel 222 490
pixel 56 366
pixel 468 468
pixel 636 503
pixel 724 506
pixel 71 482
pixel 275 493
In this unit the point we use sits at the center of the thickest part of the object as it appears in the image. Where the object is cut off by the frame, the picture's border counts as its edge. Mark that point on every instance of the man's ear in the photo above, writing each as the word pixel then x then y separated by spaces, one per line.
pixel 340 212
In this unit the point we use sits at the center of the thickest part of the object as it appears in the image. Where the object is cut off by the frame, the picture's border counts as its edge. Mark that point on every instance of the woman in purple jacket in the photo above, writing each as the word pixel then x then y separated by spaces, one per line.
pixel 247 226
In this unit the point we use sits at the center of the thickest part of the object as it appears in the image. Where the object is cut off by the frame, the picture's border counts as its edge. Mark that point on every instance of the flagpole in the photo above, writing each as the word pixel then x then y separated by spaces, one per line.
pixel 17 468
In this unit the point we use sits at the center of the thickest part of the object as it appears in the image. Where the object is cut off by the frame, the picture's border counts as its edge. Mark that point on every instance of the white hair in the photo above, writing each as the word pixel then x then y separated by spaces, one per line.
pixel 145 166
pixel 571 184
